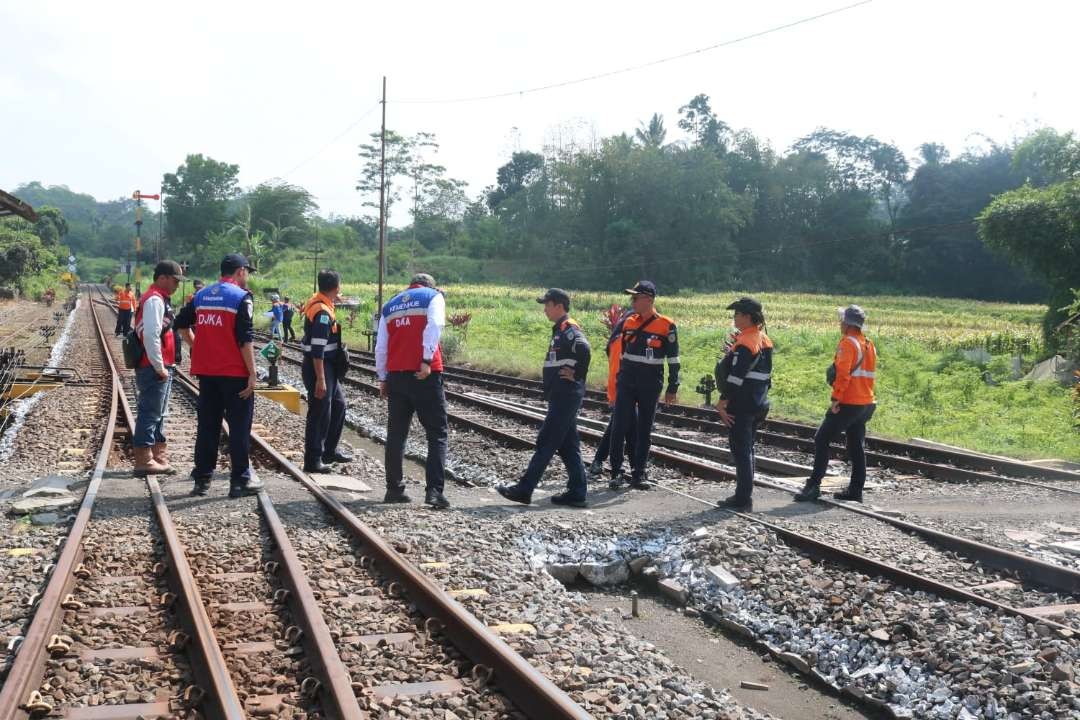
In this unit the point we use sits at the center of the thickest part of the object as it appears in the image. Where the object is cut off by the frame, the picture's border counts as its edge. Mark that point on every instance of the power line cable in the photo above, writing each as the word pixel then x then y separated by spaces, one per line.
pixel 632 68
pixel 337 137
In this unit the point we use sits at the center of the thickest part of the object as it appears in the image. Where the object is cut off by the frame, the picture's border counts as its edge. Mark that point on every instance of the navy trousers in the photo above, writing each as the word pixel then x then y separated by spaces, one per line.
pixel 427 400
pixel 630 401
pixel 741 442
pixel 851 421
pixel 325 417
pixel 603 450
pixel 559 435
pixel 219 398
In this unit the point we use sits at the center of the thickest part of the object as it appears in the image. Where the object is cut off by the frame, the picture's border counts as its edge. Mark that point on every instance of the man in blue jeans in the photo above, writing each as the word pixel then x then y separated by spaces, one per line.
pixel 565 369
pixel 153 375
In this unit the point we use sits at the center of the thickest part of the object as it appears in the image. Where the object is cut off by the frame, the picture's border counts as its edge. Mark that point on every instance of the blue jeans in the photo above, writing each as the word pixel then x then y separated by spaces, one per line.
pixel 152 407
pixel 559 435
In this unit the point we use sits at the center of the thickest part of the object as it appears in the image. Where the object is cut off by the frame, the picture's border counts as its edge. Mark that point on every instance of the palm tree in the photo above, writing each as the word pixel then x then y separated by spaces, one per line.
pixel 653 134
pixel 277 234
pixel 242 226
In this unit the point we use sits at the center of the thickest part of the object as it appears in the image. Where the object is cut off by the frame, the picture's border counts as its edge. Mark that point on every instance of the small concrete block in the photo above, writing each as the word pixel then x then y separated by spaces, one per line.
pixel 723 577
pixel 21 552
pixel 1003 585
pixel 753 685
pixel 794 661
pixel 565 574
pixel 434 565
pixel 1072 547
pixel 880 635
pixel 50 485
pixel 513 629
pixel 673 589
pixel 700 533
pixel 30 505
pixel 610 573
pixel 340 482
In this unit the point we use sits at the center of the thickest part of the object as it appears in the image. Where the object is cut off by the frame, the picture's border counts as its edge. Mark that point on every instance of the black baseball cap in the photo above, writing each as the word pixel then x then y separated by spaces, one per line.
pixel 644 287
pixel 168 267
pixel 233 262
pixel 556 295
pixel 745 305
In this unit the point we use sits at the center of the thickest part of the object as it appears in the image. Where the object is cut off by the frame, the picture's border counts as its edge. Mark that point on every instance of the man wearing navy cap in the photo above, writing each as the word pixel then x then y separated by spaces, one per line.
pixel 648 341
pixel 223 358
pixel 565 369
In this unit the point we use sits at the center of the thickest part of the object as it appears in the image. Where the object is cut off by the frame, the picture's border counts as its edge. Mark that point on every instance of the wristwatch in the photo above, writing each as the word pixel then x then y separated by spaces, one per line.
pixel 426 362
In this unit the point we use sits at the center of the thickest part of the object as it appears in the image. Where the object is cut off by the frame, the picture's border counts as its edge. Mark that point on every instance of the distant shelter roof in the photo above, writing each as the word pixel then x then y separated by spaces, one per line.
pixel 11 205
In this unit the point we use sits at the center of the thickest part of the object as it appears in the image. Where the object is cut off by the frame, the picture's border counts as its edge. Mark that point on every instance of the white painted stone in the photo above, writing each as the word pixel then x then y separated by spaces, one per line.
pixel 673 589
pixel 1072 547
pixel 610 573
pixel 340 482
pixel 723 577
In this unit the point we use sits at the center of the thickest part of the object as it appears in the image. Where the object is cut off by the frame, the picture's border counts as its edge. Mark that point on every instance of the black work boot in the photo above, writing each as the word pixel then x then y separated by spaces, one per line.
pixel 569 500
pixel 848 494
pixel 337 457
pixel 201 488
pixel 514 493
pixel 638 481
pixel 618 479
pixel 251 487
pixel 595 471
pixel 436 499
pixel 396 495
pixel 811 491
pixel 736 503
pixel 317 467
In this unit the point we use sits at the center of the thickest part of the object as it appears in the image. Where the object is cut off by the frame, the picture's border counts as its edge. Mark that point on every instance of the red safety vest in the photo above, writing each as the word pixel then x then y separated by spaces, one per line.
pixel 168 338
pixel 216 352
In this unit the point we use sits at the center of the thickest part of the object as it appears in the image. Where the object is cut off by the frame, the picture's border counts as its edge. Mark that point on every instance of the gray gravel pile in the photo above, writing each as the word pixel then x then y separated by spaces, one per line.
pixel 587 654
pixel 923 656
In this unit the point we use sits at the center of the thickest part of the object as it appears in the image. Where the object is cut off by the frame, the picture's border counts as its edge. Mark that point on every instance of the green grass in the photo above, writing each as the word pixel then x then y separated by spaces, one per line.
pixel 925 388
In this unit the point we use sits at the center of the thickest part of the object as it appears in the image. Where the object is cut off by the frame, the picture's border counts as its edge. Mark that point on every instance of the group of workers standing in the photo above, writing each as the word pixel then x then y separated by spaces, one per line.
pixel 409 366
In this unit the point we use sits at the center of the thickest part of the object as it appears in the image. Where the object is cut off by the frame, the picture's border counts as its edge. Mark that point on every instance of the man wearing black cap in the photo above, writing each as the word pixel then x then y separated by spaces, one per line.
pixel 565 369
pixel 408 363
pixel 648 341
pixel 744 376
pixel 322 347
pixel 223 358
pixel 153 376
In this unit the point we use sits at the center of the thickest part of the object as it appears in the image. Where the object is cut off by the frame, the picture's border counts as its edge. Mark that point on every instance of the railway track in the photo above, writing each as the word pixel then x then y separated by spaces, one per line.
pixel 278 644
pixel 945 464
pixel 1003 565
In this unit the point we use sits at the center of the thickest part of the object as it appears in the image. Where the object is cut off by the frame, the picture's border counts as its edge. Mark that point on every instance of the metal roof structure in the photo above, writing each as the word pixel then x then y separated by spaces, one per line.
pixel 11 205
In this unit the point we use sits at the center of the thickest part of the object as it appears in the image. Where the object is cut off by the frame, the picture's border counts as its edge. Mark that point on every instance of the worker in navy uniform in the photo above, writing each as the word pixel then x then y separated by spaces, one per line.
pixel 321 343
pixel 648 341
pixel 409 365
pixel 565 369
pixel 223 358
pixel 744 376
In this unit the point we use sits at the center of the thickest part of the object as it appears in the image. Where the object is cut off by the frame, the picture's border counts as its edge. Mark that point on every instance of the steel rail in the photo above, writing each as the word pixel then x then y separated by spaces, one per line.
pixel 334 684
pixel 527 688
pixel 923 458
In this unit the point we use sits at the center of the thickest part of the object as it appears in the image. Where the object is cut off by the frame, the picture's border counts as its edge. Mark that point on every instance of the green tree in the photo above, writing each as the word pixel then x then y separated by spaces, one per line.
pixel 51 227
pixel 707 130
pixel 196 201
pixel 280 205
pixel 1047 156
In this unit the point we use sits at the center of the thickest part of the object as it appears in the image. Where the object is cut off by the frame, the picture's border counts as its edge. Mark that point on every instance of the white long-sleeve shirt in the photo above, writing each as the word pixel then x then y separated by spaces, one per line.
pixel 153 318
pixel 436 321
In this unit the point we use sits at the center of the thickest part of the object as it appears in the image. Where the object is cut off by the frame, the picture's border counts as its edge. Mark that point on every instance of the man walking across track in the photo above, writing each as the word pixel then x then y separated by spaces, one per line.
pixel 852 376
pixel 223 358
pixel 408 362
pixel 326 400
pixel 153 376
pixel 648 341
pixel 565 369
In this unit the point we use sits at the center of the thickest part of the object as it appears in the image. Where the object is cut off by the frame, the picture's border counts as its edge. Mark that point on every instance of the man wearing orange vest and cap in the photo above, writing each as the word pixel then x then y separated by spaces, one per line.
pixel 852 376
pixel 125 306
pixel 321 343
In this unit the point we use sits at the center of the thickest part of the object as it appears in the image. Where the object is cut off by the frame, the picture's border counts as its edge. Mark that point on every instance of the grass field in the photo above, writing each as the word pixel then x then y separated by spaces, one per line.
pixel 926 387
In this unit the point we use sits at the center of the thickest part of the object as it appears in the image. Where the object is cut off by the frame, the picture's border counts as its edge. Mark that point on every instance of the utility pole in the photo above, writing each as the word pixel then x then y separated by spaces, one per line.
pixel 382 200
pixel 138 198
pixel 160 223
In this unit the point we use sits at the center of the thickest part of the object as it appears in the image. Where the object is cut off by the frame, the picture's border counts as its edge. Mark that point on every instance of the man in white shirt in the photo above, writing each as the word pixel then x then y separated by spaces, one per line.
pixel 408 361
pixel 154 372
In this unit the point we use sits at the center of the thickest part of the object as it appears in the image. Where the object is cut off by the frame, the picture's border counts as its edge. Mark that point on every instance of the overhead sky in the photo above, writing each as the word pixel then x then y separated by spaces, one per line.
pixel 105 97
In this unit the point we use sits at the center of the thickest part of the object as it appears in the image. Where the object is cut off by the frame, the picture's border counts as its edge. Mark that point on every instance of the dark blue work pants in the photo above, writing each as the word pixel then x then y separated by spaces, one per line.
pixel 633 400
pixel 219 398
pixel 427 400
pixel 326 416
pixel 603 450
pixel 851 420
pixel 741 442
pixel 559 435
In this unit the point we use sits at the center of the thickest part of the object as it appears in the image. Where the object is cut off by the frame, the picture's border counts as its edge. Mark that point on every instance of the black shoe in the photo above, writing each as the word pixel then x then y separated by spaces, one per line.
pixel 251 487
pixel 514 493
pixel 617 480
pixel 640 483
pixel 567 499
pixel 396 496
pixel 736 503
pixel 810 491
pixel 436 499
pixel 595 471
pixel 337 457
pixel 202 487
pixel 317 467
pixel 848 495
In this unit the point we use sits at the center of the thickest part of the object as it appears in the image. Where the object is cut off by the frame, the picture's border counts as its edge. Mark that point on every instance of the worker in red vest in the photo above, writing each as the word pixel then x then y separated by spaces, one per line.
pixel 408 361
pixel 223 358
pixel 154 373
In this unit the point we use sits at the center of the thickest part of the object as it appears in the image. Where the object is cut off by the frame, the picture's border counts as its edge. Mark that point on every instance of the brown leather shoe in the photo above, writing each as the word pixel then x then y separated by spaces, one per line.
pixel 161 457
pixel 144 463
